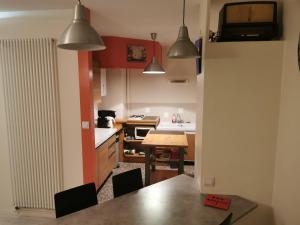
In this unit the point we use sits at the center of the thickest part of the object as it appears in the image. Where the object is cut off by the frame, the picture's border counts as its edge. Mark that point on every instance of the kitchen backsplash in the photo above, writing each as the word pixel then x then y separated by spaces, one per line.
pixel 165 111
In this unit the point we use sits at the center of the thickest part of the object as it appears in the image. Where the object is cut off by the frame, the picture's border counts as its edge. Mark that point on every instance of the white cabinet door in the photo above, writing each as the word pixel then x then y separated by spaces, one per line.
pixel 103 82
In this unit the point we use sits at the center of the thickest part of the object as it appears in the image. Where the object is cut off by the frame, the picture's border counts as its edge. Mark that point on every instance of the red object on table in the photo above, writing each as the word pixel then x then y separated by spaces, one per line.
pixel 217 201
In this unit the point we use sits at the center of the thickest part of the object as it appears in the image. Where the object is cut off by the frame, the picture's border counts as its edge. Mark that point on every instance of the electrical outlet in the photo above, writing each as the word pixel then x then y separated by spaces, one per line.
pixel 209 181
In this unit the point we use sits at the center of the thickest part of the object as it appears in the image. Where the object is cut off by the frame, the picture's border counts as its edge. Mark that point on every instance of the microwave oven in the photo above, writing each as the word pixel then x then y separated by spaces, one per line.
pixel 141 132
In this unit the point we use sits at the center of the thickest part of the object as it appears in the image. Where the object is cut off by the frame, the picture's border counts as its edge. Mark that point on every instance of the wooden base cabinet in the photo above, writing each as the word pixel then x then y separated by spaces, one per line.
pixel 106 159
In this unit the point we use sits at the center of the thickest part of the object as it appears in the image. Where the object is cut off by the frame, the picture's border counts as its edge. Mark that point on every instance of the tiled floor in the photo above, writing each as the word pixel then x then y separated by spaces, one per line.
pixel 27 217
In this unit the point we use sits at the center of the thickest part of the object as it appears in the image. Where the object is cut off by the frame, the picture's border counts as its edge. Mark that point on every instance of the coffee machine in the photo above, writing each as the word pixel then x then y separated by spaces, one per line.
pixel 105 118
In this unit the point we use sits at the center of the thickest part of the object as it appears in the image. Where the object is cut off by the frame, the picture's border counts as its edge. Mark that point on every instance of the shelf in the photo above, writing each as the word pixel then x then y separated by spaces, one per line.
pixel 136 141
pixel 134 156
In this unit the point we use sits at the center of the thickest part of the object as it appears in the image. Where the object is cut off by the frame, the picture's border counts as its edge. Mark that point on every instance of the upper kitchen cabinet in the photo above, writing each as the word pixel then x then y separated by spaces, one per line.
pixel 127 53
pixel 99 82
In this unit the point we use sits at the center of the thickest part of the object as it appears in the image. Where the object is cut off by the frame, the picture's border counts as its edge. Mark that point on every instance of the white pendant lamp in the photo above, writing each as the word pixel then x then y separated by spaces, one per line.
pixel 154 68
pixel 183 47
pixel 80 35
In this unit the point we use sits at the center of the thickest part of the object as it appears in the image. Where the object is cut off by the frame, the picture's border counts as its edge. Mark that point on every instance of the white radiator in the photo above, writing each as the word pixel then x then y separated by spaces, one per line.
pixel 29 71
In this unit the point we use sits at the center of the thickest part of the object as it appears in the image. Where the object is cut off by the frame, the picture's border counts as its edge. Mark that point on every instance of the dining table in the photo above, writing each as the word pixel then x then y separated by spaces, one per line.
pixel 174 201
pixel 164 139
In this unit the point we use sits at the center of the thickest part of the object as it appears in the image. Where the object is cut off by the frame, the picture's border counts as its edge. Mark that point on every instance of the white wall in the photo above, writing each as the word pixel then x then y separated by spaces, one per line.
pixel 156 95
pixel 204 21
pixel 287 180
pixel 47 24
pixel 153 95
pixel 241 107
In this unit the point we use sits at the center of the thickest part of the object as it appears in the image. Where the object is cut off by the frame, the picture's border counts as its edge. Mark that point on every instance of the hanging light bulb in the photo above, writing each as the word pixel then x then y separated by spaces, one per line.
pixel 183 47
pixel 154 67
pixel 80 35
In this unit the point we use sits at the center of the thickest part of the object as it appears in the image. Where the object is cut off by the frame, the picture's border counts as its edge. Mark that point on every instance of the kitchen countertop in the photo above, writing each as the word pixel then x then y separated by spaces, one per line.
pixel 102 134
pixel 186 127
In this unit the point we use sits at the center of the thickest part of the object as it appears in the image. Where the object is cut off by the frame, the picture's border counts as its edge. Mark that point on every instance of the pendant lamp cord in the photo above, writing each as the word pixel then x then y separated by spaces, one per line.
pixel 153 47
pixel 153 37
pixel 183 14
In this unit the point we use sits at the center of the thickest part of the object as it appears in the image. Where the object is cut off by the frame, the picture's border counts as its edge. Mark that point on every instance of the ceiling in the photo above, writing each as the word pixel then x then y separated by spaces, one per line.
pixel 127 18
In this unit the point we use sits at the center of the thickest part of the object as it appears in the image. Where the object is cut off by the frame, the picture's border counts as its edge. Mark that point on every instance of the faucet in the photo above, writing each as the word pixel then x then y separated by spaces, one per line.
pixel 179 119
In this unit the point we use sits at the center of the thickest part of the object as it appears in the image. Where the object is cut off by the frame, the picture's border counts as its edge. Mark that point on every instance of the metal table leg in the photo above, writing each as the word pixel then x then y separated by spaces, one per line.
pixel 181 161
pixel 147 166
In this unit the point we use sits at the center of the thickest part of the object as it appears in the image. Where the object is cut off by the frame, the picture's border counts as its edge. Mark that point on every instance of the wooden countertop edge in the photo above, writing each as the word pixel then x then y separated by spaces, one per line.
pixel 162 145
pixel 126 120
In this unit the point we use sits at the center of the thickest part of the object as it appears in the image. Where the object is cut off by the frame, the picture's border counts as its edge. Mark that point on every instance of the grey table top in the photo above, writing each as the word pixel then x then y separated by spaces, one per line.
pixel 171 202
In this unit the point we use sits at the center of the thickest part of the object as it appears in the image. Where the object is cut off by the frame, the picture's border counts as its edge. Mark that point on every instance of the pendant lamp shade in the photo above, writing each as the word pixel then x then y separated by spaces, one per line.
pixel 183 47
pixel 80 35
pixel 154 68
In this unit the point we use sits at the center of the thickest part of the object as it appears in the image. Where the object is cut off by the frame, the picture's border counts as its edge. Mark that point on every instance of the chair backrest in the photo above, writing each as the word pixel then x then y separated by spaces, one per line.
pixel 227 220
pixel 127 182
pixel 75 199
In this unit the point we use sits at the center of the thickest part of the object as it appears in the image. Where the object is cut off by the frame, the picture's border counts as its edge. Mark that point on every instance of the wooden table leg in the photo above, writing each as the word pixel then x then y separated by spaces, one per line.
pixel 147 166
pixel 181 161
pixel 152 159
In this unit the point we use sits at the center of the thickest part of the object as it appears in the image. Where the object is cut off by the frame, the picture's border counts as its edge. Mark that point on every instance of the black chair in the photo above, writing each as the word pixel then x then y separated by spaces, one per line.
pixel 127 182
pixel 227 220
pixel 75 199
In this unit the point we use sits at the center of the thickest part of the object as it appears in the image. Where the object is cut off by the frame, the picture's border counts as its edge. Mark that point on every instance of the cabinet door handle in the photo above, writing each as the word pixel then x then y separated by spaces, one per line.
pixel 113 151
pixel 111 145
pixel 111 155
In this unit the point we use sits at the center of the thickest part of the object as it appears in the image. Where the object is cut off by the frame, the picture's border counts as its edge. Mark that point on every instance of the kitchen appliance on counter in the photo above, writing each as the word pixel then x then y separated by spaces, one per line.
pixel 106 118
pixel 136 117
pixel 141 132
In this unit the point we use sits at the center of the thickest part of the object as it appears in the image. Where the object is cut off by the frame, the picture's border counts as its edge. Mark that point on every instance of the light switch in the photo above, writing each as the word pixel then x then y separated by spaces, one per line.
pixel 85 125
pixel 209 181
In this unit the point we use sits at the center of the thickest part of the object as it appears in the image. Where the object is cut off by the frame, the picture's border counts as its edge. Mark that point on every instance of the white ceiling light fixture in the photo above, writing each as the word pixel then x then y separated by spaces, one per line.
pixel 154 68
pixel 80 35
pixel 183 47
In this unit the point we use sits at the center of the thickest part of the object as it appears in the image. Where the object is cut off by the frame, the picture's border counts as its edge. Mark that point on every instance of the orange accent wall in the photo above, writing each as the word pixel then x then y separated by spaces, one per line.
pixel 115 54
pixel 85 61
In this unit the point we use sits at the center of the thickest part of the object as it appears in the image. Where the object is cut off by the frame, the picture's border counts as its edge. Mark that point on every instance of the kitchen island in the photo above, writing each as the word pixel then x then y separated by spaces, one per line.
pixel 172 139
pixel 190 130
